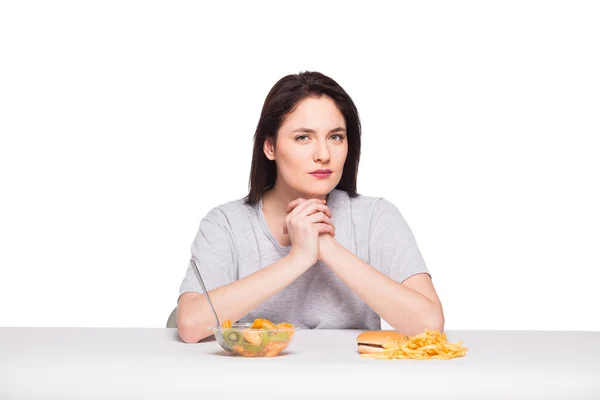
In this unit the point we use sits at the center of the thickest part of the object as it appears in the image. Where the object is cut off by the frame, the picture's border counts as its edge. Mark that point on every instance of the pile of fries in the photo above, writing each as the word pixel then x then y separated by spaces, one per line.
pixel 427 345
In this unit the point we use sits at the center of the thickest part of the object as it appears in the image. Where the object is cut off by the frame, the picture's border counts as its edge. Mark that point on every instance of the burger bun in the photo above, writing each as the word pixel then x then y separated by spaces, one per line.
pixel 371 342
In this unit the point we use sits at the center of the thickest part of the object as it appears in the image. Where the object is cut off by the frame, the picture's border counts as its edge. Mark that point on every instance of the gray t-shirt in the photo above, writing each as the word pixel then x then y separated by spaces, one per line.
pixel 234 241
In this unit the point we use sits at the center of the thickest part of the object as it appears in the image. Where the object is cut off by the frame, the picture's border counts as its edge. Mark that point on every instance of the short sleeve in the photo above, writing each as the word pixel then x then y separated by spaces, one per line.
pixel 214 252
pixel 393 248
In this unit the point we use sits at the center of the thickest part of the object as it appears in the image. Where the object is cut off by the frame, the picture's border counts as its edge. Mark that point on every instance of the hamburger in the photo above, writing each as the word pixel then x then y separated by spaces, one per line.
pixel 370 342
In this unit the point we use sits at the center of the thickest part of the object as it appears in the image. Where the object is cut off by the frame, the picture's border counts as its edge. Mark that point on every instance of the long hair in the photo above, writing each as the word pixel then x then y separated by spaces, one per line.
pixel 282 99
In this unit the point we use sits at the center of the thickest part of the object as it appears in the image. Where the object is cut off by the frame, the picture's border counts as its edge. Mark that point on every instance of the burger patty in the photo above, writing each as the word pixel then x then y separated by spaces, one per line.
pixel 371 345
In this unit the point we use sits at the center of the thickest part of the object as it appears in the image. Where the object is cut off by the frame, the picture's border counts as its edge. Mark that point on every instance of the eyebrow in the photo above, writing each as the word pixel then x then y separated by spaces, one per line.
pixel 307 130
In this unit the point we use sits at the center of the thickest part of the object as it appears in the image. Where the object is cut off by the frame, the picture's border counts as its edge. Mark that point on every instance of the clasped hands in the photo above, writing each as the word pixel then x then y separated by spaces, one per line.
pixel 308 223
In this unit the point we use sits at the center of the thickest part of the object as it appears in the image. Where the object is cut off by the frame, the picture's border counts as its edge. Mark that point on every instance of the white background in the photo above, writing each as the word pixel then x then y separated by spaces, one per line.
pixel 124 122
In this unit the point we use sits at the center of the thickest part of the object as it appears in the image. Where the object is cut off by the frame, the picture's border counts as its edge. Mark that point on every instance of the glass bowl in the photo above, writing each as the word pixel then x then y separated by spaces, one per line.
pixel 241 340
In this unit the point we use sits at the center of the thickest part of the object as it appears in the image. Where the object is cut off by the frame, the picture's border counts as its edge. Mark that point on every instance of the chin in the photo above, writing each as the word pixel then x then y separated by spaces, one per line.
pixel 312 192
pixel 319 188
pixel 318 194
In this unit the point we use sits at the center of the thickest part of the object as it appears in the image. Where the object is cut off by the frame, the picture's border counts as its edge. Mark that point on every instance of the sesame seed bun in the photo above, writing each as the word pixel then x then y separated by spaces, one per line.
pixel 370 342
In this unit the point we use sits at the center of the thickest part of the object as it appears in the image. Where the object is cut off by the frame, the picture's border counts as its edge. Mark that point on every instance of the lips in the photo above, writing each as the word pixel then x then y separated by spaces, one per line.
pixel 321 175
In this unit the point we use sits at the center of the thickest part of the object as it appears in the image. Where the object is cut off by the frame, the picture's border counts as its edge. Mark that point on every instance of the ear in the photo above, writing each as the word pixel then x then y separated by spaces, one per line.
pixel 269 149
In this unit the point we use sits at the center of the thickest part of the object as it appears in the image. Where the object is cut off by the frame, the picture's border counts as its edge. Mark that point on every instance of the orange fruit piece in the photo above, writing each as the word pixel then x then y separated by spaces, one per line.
pixel 257 324
pixel 260 323
pixel 268 325
pixel 253 337
pixel 288 327
pixel 227 324
pixel 285 325
pixel 239 349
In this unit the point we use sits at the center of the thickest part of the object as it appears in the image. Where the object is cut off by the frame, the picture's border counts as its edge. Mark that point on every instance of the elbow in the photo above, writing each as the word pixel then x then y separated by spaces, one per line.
pixel 431 321
pixel 187 330
pixel 188 334
pixel 190 330
pixel 434 320
pixel 431 324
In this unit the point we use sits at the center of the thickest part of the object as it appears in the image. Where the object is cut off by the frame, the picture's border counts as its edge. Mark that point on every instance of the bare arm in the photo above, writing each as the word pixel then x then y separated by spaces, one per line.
pixel 409 307
pixel 233 301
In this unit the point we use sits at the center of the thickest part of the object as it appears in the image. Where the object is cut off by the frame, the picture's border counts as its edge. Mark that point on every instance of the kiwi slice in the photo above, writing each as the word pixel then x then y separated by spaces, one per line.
pixel 265 338
pixel 232 337
pixel 251 348
pixel 282 336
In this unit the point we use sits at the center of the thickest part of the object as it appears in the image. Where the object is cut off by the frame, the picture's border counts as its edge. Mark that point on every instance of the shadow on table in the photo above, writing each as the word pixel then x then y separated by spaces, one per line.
pixel 226 354
pixel 175 336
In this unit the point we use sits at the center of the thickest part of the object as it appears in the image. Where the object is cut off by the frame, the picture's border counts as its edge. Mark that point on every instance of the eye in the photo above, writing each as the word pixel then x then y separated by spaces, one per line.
pixel 341 137
pixel 301 136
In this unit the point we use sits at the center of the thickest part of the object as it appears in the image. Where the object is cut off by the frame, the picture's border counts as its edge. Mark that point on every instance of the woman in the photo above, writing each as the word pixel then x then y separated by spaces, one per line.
pixel 303 246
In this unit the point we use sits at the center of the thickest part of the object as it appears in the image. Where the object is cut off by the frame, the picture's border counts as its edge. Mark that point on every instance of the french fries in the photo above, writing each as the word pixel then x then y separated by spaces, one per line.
pixel 425 346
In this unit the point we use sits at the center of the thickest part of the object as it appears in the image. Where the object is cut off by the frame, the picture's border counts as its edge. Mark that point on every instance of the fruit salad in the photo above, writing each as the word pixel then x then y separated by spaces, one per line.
pixel 262 339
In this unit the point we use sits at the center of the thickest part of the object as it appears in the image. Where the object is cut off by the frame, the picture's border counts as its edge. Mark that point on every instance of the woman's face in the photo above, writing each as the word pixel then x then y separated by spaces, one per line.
pixel 311 138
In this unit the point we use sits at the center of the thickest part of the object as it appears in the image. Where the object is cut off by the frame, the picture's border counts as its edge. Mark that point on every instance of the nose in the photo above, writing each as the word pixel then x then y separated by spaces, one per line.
pixel 321 153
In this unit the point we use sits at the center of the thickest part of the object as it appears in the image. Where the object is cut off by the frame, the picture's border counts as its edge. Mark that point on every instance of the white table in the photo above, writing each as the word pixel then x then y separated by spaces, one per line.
pixel 144 363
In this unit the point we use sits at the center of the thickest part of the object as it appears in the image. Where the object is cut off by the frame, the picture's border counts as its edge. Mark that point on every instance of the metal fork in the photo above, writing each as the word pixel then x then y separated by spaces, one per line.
pixel 217 330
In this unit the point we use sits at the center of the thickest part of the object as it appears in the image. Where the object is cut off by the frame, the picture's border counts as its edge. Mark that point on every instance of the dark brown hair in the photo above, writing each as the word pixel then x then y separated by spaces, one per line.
pixel 280 102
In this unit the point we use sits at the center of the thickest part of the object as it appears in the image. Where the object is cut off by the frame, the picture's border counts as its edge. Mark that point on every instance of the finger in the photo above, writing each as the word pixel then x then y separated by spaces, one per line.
pixel 315 207
pixel 320 217
pixel 298 209
pixel 303 204
pixel 324 208
pixel 325 228
pixel 293 204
